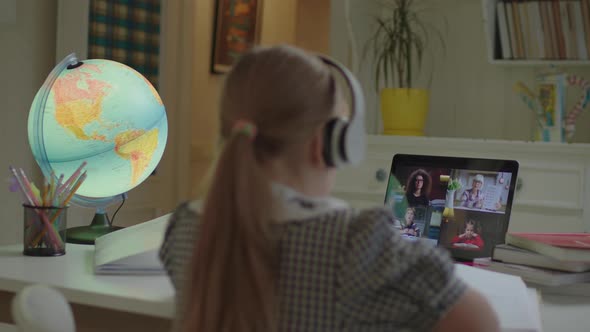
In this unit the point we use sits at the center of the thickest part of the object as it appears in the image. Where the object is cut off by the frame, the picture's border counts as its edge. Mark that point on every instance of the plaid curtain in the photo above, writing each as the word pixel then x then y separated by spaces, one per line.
pixel 127 31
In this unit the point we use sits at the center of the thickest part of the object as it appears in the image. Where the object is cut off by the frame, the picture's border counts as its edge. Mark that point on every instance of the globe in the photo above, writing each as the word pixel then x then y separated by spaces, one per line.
pixel 106 114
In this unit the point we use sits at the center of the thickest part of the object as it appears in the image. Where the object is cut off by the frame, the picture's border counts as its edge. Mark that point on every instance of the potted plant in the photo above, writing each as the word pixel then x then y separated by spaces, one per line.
pixel 397 47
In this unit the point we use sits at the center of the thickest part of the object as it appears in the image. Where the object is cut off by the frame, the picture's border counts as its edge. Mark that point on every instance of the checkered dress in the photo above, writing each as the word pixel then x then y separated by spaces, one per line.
pixel 341 269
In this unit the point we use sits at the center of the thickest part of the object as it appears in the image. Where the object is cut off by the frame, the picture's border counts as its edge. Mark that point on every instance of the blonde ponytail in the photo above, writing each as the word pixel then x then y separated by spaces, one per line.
pixel 285 95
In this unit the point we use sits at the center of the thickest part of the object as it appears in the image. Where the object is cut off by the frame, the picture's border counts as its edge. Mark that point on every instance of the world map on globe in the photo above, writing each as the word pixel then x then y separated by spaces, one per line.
pixel 102 112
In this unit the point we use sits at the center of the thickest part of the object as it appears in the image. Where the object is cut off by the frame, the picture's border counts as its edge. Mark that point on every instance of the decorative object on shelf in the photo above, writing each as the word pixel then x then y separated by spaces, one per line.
pixel 554 124
pixel 397 47
pixel 237 29
pixel 532 102
pixel 572 116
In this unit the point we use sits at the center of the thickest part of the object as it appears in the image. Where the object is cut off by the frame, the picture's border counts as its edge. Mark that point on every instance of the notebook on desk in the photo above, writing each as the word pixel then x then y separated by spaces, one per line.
pixel 470 218
pixel 517 307
pixel 132 250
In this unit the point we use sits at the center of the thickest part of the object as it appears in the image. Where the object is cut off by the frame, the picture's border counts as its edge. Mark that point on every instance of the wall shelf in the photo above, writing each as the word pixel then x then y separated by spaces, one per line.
pixel 539 62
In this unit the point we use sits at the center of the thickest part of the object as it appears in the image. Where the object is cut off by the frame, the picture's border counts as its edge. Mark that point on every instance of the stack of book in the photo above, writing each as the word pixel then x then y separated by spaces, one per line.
pixel 556 262
pixel 544 29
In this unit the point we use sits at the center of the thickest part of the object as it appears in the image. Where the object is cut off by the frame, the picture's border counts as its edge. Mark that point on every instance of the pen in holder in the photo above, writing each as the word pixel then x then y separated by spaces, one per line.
pixel 45 211
pixel 44 230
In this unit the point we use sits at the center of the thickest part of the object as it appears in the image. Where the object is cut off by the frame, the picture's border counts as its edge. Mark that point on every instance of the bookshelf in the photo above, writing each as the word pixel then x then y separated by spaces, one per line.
pixel 533 43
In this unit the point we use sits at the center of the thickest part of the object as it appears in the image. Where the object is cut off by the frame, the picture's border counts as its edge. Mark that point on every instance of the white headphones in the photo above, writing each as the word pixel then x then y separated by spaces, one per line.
pixel 344 140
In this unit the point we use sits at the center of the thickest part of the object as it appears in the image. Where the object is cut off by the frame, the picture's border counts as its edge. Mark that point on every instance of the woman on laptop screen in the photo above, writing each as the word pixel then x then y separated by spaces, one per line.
pixel 270 249
pixel 474 197
pixel 418 188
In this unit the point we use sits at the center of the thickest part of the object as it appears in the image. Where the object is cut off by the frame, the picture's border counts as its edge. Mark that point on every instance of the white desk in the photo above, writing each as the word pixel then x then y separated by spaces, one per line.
pixel 146 303
pixel 124 303
pixel 565 313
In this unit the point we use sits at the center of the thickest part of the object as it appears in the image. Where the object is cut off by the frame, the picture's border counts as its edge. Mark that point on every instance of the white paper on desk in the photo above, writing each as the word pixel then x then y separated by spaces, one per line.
pixel 132 250
pixel 508 296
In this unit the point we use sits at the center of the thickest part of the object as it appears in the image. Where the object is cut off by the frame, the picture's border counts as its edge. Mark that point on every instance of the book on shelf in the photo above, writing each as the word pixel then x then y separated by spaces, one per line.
pixel 556 11
pixel 538 29
pixel 504 32
pixel 525 21
pixel 536 275
pixel 518 30
pixel 562 246
pixel 585 6
pixel 575 11
pixel 510 254
pixel 516 306
pixel 566 29
pixel 546 25
pixel 132 250
pixel 511 31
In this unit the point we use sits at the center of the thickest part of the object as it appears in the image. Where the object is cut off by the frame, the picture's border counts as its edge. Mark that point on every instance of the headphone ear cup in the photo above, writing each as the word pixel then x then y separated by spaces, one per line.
pixel 335 150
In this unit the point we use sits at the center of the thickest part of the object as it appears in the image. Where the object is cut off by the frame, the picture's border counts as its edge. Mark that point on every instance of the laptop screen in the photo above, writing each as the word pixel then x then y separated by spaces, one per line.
pixel 461 204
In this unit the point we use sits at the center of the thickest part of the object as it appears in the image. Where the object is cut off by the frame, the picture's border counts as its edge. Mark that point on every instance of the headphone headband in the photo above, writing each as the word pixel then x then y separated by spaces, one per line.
pixel 345 141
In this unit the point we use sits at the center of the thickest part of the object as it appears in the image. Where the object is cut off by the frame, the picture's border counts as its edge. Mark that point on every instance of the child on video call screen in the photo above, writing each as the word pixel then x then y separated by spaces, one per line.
pixel 463 211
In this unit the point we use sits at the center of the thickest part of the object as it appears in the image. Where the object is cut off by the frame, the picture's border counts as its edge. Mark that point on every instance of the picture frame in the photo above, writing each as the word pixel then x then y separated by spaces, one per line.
pixel 236 30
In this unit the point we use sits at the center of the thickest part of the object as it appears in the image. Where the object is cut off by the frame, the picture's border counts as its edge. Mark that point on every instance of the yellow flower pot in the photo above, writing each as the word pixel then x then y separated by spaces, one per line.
pixel 404 111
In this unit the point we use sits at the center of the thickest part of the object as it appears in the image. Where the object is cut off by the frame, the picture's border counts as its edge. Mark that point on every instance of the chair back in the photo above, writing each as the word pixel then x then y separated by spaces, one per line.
pixel 40 308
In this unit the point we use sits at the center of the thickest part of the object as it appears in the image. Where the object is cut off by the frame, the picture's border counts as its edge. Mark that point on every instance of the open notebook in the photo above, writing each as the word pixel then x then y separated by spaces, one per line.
pixel 132 250
pixel 516 305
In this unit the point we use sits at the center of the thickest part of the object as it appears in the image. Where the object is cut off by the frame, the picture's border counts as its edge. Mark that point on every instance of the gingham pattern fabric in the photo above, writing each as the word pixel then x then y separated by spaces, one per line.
pixel 341 270
pixel 127 31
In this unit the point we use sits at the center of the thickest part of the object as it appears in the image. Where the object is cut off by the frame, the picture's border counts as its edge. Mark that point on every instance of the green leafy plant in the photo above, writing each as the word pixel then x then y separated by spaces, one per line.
pixel 399 42
pixel 454 184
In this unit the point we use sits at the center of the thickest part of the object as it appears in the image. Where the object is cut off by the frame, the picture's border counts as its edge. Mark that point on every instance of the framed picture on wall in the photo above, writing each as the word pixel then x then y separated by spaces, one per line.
pixel 237 29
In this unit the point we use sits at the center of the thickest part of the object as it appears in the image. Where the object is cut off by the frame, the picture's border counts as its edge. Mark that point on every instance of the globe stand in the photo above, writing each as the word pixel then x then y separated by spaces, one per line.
pixel 88 234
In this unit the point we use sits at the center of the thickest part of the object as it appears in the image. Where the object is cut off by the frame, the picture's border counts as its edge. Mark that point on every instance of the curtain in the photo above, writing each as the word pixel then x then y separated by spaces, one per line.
pixel 127 31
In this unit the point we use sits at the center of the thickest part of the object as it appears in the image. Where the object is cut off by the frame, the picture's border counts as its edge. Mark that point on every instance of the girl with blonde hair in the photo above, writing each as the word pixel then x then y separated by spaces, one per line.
pixel 270 250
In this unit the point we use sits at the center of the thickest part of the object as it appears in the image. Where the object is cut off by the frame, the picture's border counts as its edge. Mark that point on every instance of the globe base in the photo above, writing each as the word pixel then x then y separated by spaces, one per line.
pixel 88 234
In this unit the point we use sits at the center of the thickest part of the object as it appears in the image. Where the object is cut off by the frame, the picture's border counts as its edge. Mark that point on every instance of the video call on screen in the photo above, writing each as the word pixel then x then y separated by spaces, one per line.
pixel 468 221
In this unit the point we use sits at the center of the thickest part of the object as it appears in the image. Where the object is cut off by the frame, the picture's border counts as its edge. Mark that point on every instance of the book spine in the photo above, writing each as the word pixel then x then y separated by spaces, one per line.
pixel 533 41
pixel 538 31
pixel 586 19
pixel 565 27
pixel 579 28
pixel 552 30
pixel 525 27
pixel 573 31
pixel 518 29
pixel 511 30
pixel 546 29
pixel 559 29
pixel 503 29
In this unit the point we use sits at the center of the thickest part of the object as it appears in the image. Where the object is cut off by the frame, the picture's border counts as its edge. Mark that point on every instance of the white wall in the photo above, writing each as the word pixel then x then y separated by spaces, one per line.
pixel 27 44
pixel 469 96
pixel 361 14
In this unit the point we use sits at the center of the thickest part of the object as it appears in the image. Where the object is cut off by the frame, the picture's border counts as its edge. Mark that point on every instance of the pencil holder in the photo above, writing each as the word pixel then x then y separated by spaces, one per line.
pixel 44 230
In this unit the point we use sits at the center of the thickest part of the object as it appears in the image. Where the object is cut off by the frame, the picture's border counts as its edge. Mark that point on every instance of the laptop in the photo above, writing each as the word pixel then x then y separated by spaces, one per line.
pixel 460 204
